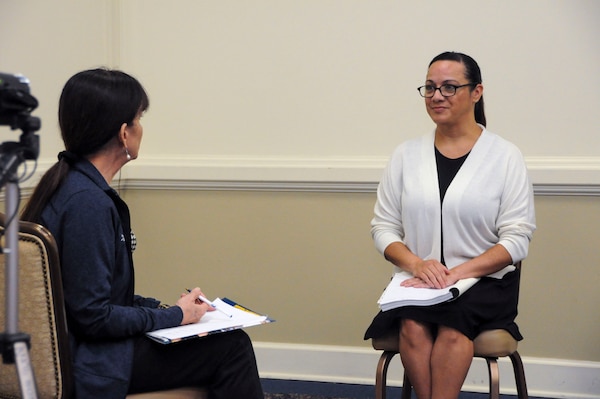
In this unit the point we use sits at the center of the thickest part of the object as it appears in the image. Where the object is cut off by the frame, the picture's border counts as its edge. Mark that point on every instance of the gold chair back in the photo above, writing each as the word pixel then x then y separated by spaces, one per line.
pixel 41 314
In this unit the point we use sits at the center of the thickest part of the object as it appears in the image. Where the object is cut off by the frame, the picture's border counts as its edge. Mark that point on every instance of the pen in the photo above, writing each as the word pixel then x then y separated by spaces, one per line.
pixel 209 303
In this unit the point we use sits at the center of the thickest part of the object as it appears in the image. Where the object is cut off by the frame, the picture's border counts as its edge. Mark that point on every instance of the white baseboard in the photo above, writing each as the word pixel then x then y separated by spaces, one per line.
pixel 551 378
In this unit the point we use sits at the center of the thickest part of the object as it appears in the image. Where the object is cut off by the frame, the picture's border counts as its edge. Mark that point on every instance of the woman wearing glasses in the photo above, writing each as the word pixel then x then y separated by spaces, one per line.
pixel 453 204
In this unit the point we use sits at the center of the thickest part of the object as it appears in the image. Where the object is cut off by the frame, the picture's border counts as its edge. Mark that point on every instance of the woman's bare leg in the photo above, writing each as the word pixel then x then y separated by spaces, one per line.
pixel 451 358
pixel 416 345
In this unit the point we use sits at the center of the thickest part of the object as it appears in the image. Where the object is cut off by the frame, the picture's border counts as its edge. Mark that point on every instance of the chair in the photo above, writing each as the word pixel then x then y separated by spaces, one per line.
pixel 42 316
pixel 490 345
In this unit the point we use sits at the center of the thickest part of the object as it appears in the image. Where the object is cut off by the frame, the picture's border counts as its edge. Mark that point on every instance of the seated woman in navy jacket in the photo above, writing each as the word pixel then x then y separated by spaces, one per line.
pixel 99 116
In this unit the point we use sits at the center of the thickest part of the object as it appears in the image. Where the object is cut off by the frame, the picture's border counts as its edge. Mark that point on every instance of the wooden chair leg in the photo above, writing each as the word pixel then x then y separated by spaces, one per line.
pixel 406 387
pixel 494 375
pixel 381 374
pixel 519 371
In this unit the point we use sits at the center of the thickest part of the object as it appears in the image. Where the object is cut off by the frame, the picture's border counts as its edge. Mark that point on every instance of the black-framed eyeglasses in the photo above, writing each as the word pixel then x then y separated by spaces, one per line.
pixel 446 90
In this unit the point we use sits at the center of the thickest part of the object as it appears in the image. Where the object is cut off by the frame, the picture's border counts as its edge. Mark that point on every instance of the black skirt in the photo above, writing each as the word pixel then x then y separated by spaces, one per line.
pixel 490 304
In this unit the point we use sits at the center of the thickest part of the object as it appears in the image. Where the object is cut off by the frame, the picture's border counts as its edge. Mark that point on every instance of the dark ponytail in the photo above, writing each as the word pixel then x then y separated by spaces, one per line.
pixel 45 189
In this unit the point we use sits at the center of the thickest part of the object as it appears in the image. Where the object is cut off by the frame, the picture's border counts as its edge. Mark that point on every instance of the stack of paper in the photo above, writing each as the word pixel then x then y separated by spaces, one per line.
pixel 396 296
pixel 212 323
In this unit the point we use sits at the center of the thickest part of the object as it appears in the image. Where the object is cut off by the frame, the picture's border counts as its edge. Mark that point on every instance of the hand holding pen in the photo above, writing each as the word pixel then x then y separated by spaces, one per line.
pixel 192 312
pixel 202 298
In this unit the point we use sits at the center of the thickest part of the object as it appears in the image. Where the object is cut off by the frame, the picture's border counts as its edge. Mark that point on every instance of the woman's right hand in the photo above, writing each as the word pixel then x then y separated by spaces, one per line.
pixel 192 308
pixel 428 274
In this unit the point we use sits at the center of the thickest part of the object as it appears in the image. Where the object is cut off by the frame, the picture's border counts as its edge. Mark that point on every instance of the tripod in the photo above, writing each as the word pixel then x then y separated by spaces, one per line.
pixel 13 343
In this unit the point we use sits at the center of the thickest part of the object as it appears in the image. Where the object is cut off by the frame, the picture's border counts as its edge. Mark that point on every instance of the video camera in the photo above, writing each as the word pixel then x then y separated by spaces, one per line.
pixel 16 104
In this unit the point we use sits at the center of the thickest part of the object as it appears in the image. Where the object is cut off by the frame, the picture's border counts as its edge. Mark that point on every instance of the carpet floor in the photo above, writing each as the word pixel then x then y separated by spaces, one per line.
pixel 282 389
pixel 285 389
pixel 295 396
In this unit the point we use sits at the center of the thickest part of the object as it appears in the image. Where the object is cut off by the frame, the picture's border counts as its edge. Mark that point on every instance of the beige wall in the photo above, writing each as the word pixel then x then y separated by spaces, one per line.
pixel 307 260
pixel 325 85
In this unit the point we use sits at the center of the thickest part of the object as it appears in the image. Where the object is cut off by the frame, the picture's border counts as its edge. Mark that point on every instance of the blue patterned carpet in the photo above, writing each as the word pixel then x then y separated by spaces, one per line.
pixel 295 396
pixel 282 389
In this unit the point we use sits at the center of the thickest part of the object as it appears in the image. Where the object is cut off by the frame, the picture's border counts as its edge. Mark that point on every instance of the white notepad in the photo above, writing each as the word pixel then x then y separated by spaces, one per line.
pixel 212 323
pixel 396 296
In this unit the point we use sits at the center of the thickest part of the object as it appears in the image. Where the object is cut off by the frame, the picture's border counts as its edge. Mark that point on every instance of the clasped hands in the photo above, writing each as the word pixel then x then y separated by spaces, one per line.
pixel 429 274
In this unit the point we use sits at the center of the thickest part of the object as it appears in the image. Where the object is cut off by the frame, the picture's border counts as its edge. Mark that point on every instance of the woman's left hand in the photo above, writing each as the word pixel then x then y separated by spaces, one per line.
pixel 428 273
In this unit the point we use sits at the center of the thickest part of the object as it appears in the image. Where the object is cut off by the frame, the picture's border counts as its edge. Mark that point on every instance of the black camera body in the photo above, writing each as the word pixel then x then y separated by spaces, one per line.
pixel 16 105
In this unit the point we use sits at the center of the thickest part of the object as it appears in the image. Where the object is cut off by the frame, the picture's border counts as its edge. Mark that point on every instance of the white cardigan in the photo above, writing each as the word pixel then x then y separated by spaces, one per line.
pixel 490 201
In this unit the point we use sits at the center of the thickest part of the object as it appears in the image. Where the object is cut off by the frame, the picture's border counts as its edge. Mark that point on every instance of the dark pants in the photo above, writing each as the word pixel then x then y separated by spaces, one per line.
pixel 222 363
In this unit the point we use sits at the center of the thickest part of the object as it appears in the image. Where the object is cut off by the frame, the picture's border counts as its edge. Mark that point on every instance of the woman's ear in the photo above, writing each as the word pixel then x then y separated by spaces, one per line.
pixel 477 93
pixel 123 134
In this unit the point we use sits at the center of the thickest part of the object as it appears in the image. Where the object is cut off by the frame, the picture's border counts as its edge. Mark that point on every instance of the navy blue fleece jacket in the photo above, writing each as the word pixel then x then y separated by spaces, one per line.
pixel 91 225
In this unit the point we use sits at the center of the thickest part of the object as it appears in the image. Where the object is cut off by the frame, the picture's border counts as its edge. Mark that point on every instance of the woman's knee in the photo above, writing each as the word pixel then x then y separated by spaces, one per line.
pixel 414 332
pixel 452 336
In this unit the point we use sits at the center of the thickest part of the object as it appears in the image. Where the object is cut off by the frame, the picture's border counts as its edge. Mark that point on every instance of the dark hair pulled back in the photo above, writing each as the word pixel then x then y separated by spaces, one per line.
pixel 93 106
pixel 473 75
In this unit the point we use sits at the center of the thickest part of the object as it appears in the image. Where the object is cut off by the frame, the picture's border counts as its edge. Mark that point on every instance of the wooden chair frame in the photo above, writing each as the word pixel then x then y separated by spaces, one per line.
pixel 489 345
pixel 50 353
pixel 493 373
